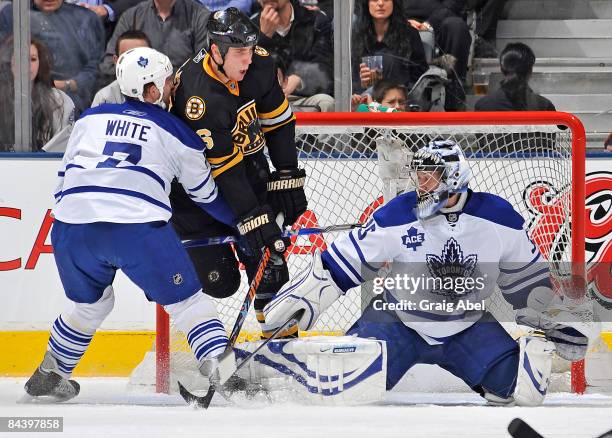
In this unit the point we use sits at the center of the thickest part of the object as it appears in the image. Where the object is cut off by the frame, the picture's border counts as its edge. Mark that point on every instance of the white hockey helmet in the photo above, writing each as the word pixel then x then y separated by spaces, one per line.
pixel 140 66
pixel 445 159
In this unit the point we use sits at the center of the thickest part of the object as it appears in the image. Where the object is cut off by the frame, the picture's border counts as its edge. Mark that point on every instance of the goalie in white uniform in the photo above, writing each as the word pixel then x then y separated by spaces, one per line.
pixel 112 213
pixel 444 248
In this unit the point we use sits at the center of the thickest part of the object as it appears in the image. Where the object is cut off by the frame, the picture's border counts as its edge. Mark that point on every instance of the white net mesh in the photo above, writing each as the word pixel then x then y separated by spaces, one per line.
pixel 530 166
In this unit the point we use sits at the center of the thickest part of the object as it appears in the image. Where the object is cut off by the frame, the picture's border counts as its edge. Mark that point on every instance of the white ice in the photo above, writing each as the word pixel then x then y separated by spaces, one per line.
pixel 105 408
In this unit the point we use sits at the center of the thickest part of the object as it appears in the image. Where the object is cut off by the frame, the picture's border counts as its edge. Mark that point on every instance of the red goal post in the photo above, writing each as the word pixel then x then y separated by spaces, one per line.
pixel 494 123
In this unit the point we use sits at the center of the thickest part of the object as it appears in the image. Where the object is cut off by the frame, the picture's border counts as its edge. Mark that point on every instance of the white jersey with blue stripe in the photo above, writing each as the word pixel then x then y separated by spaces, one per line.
pixel 481 238
pixel 120 161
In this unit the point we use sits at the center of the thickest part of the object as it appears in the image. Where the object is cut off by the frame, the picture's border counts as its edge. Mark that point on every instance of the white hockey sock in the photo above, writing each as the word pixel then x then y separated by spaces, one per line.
pixel 67 345
pixel 197 318
pixel 72 331
pixel 207 339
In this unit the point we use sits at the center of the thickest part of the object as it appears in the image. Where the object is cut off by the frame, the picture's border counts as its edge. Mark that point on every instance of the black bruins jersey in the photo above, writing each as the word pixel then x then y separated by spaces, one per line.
pixel 235 120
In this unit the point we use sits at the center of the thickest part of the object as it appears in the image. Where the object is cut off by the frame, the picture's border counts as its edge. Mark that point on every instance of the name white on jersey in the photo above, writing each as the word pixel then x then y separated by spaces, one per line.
pixel 119 164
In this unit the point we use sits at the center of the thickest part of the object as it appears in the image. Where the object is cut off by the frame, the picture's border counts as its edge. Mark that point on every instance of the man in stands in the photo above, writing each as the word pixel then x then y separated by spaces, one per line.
pixel 130 39
pixel 75 38
pixel 303 39
pixel 177 28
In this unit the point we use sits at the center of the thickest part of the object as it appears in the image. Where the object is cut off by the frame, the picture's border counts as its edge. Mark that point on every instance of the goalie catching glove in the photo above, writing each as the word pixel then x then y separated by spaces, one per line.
pixel 286 193
pixel 570 336
pixel 313 290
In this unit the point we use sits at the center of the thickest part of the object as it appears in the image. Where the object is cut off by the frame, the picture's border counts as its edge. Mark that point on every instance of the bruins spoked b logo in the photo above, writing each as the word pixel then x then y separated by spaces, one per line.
pixel 195 108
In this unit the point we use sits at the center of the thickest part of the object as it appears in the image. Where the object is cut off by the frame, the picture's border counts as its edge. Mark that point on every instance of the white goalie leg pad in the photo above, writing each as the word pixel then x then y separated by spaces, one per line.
pixel 535 362
pixel 88 317
pixel 326 370
pixel 313 291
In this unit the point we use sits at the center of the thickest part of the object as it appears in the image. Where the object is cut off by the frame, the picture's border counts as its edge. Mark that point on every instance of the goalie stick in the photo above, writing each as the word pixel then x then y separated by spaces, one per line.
pixel 204 401
pixel 219 240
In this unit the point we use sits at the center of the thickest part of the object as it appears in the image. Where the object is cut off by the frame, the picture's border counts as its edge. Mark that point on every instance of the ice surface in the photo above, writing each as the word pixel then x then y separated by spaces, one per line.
pixel 106 409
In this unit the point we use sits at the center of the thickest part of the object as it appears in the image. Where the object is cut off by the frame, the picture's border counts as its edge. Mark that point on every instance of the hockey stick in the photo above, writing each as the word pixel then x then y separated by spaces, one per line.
pixel 520 429
pixel 204 401
pixel 219 240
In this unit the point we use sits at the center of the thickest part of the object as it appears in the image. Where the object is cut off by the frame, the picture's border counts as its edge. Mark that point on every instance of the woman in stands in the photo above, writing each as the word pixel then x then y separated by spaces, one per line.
pixel 52 110
pixel 516 62
pixel 380 28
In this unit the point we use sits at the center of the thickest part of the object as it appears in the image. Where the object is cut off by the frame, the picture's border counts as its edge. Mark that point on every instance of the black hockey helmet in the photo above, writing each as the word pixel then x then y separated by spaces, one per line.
pixel 231 28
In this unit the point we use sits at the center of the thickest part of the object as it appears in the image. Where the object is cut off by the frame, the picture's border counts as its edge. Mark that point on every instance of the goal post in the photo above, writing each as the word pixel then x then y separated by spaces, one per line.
pixel 536 160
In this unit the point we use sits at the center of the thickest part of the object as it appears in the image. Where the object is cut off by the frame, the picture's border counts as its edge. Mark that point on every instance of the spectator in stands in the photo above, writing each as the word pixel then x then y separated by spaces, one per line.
pixel 109 11
pixel 177 28
pixel 608 143
pixel 318 102
pixel 516 63
pixel 52 110
pixel 245 6
pixel 452 35
pixel 130 39
pixel 75 38
pixel 386 97
pixel 487 16
pixel 391 95
pixel 514 94
pixel 380 29
pixel 303 38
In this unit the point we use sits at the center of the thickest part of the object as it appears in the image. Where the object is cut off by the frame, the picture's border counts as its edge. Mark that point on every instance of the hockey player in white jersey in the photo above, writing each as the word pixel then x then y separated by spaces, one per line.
pixel 112 211
pixel 444 249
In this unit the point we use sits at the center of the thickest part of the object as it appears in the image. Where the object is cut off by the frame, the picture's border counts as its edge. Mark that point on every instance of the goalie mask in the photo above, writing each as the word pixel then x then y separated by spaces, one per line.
pixel 438 170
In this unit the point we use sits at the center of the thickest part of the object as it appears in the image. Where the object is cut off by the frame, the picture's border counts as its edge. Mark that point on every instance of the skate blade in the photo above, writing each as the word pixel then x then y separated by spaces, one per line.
pixel 40 400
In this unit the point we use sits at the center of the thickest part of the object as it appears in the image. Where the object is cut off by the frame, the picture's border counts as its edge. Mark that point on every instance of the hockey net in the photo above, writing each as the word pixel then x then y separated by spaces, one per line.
pixel 534 160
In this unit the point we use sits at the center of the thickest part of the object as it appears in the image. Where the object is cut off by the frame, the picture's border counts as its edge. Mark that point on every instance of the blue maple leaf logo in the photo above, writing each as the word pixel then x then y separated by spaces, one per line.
pixel 451 264
pixel 413 238
pixel 143 62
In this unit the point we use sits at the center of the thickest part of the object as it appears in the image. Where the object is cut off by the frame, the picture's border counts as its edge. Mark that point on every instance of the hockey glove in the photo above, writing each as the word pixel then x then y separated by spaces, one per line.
pixel 260 230
pixel 313 290
pixel 286 193
pixel 569 334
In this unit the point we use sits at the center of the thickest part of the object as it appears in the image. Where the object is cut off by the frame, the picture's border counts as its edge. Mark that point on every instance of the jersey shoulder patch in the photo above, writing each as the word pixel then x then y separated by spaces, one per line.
pixel 495 209
pixel 199 57
pixel 261 51
pixel 398 211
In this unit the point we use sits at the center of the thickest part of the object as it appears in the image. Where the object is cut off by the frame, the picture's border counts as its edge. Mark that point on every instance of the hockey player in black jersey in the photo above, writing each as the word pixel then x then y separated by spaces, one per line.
pixel 229 95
